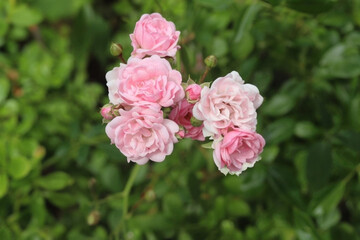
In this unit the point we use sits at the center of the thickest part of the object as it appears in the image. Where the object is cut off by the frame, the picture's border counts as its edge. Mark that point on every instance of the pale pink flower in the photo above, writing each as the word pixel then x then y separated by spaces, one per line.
pixel 193 93
pixel 237 151
pixel 112 79
pixel 142 134
pixel 145 81
pixel 154 35
pixel 229 102
pixel 182 114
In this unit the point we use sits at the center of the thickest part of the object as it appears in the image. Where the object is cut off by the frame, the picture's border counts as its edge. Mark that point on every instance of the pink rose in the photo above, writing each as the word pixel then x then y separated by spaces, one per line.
pixel 145 81
pixel 182 114
pixel 237 151
pixel 142 134
pixel 229 102
pixel 153 35
pixel 193 92
pixel 112 79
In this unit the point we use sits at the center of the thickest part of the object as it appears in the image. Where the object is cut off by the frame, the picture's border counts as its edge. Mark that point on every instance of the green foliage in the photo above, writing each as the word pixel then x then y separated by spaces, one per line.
pixel 61 179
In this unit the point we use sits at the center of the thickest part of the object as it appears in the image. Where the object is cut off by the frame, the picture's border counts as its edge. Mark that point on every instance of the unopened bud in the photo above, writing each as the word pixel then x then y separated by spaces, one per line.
pixel 106 111
pixel 93 218
pixel 195 122
pixel 193 93
pixel 150 195
pixel 210 61
pixel 116 49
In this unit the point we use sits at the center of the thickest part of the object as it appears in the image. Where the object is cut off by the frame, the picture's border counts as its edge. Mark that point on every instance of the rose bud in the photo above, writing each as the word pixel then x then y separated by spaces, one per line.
pixel 193 93
pixel 106 111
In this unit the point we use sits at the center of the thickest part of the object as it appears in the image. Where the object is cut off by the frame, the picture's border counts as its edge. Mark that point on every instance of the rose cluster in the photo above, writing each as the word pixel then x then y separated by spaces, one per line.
pixel 151 108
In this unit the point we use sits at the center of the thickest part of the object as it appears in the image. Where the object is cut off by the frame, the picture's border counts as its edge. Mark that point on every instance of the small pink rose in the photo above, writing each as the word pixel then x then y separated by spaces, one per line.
pixel 145 81
pixel 229 102
pixel 237 151
pixel 153 35
pixel 193 92
pixel 142 134
pixel 182 114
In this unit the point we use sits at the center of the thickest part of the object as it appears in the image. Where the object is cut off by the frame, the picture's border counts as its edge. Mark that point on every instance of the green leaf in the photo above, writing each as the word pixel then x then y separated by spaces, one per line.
pixel 306 129
pixel 3 153
pixel 356 11
pixel 247 21
pixel 4 88
pixel 150 222
pixel 270 153
pixel 329 199
pixel 279 131
pixel 238 208
pixel 282 181
pixel 55 181
pixel 172 201
pixel 279 105
pixel 244 47
pixel 38 211
pixel 220 47
pixel 110 178
pixel 217 4
pixel 3 28
pixel 274 2
pixel 354 113
pixel 345 230
pixel 19 167
pixel 305 227
pixel 25 16
pixel 341 61
pixel 61 200
pixel 28 116
pixel 3 184
pixel 318 165
pixel 310 6
pixel 5 234
pixel 329 219
pixel 350 139
pixel 184 236
pixel 54 9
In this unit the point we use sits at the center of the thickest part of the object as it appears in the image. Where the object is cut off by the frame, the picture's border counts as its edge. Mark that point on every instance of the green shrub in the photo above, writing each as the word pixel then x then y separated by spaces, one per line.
pixel 61 179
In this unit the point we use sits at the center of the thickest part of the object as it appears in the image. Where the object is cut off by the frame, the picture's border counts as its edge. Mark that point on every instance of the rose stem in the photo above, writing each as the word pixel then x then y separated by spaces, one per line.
pixel 204 75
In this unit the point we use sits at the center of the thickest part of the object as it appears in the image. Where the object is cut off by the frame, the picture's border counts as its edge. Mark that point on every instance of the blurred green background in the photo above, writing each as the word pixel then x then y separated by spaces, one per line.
pixel 60 178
